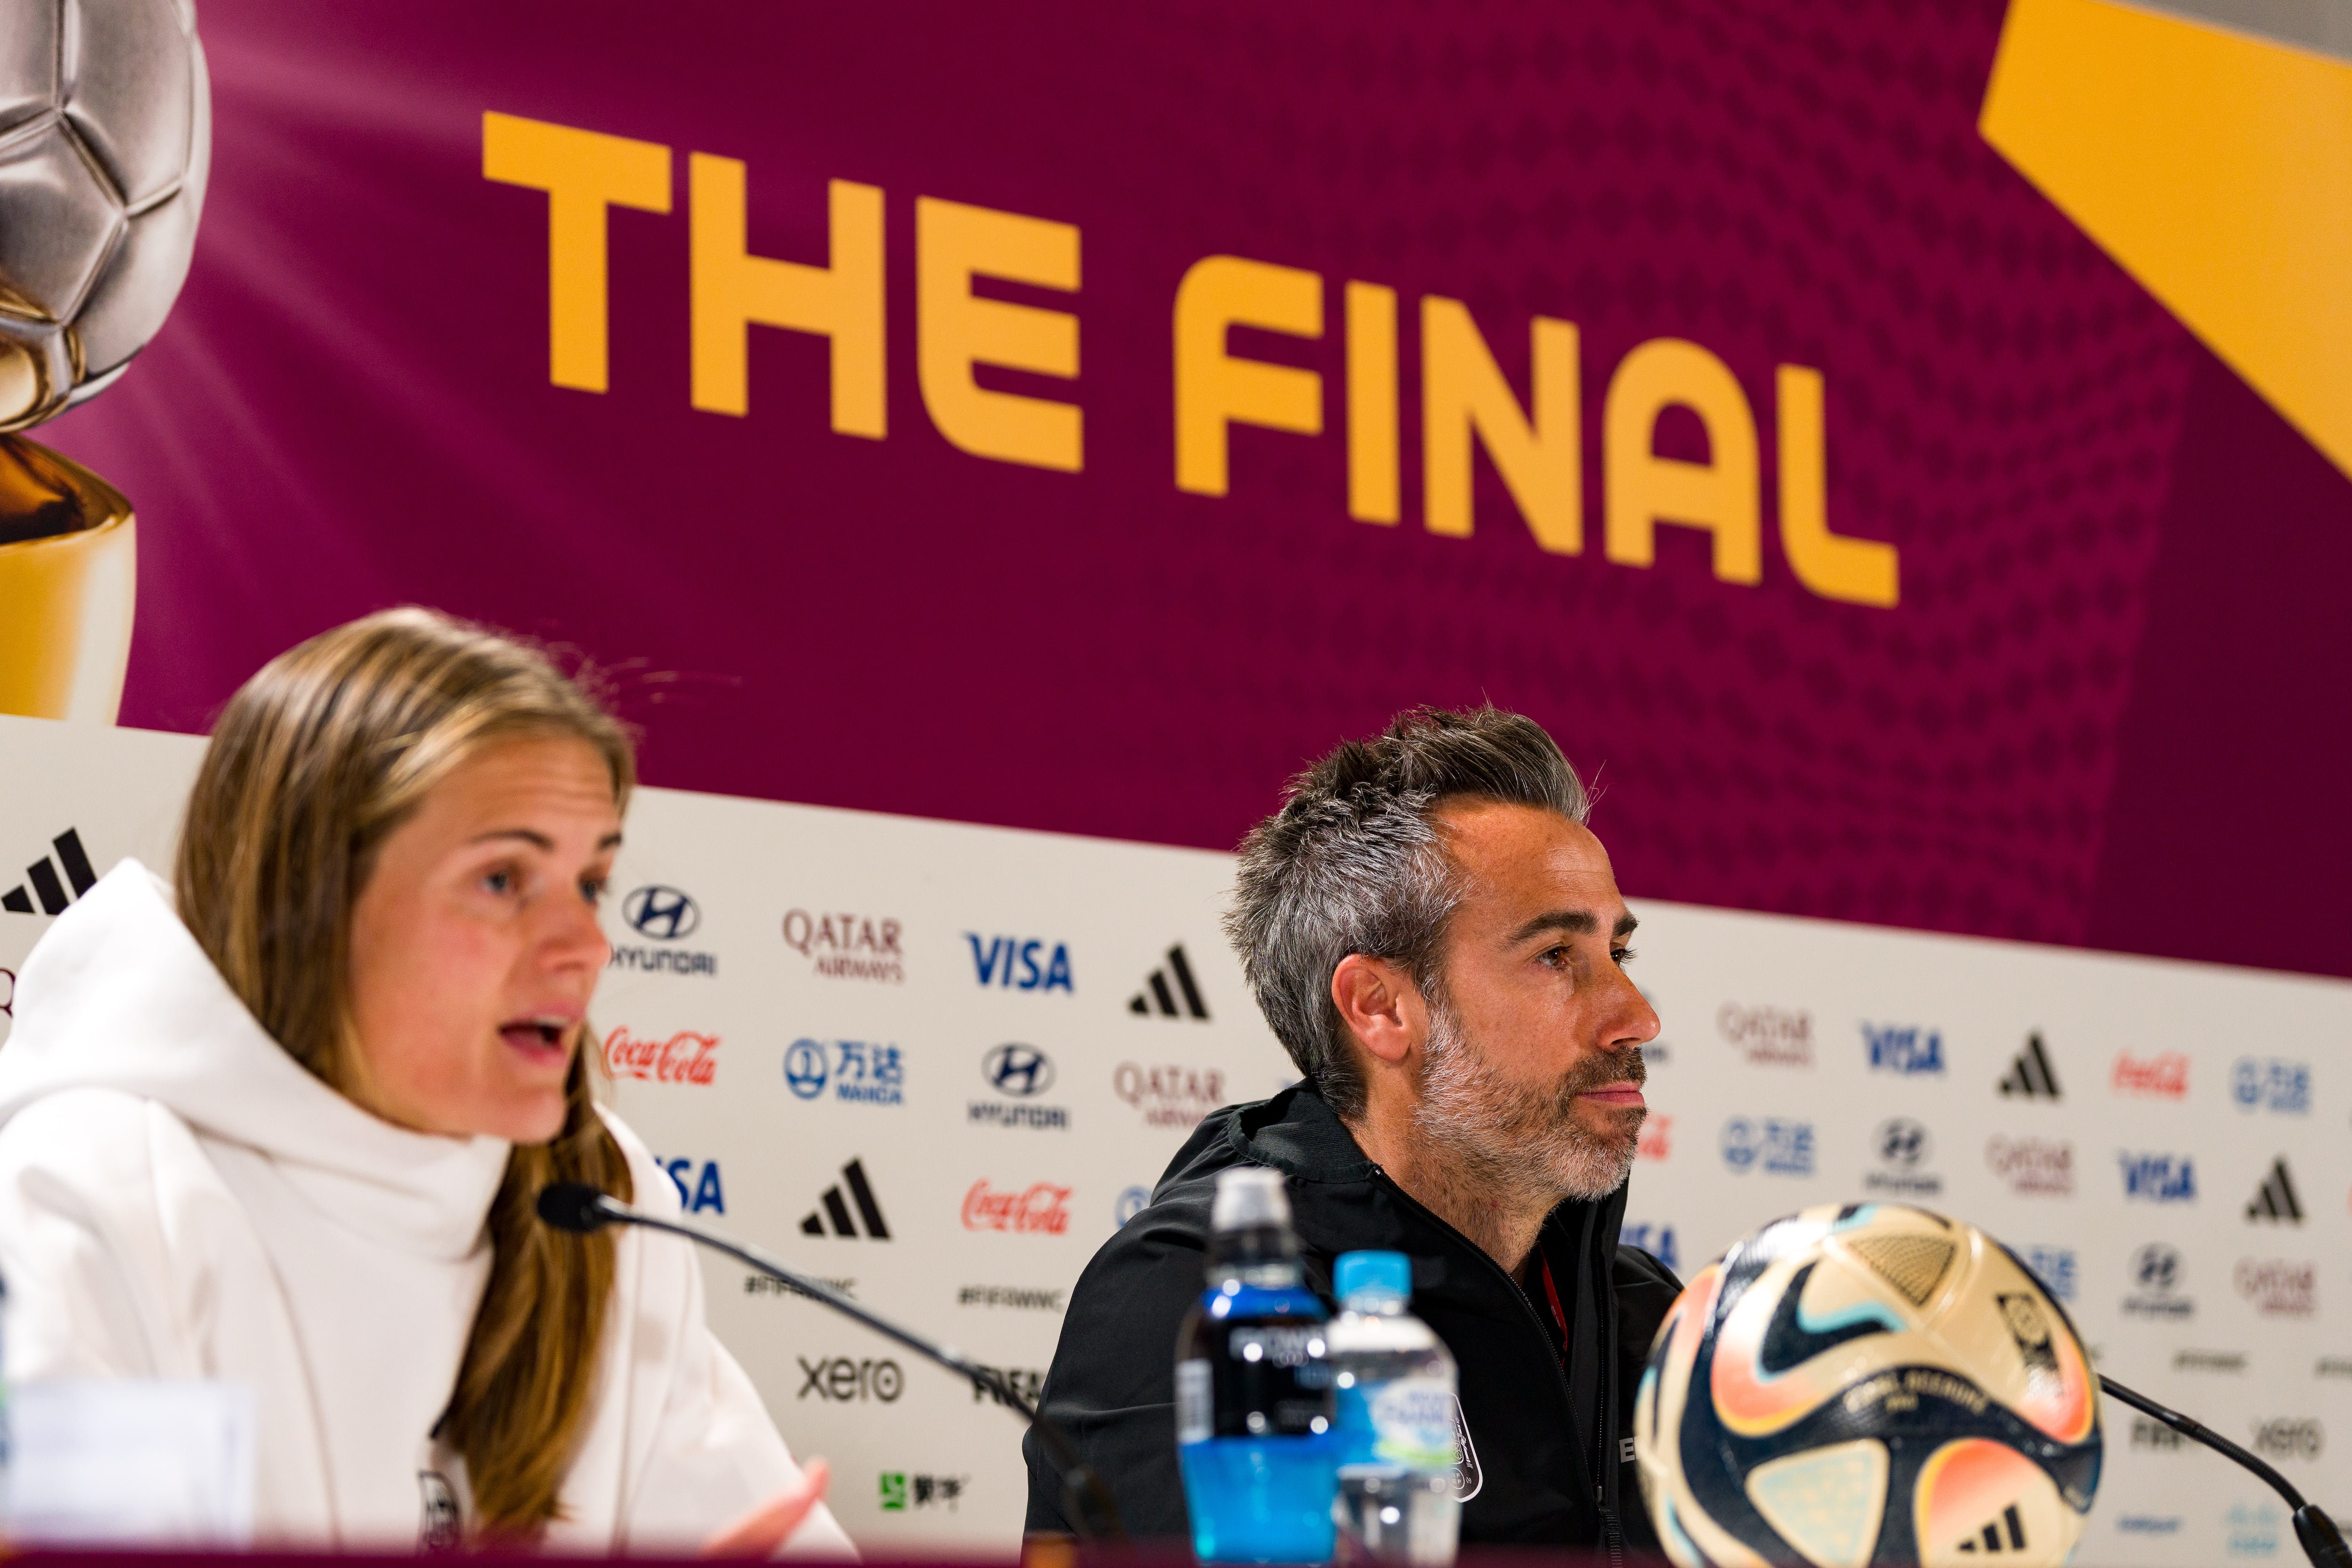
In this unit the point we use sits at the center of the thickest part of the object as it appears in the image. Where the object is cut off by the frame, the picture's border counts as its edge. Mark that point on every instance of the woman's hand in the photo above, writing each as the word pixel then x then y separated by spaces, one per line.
pixel 758 1532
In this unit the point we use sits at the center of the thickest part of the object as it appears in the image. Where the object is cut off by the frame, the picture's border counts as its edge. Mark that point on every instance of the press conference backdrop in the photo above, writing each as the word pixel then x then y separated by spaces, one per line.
pixel 1901 442
pixel 938 1064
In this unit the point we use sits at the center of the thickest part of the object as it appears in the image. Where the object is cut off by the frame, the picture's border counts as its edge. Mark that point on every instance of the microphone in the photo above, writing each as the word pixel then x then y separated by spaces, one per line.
pixel 2321 1541
pixel 579 1208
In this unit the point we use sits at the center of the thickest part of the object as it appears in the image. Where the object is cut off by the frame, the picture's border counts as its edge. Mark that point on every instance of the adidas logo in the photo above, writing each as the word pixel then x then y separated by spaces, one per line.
pixel 2274 1199
pixel 1156 996
pixel 1991 1539
pixel 42 875
pixel 2028 1072
pixel 832 1208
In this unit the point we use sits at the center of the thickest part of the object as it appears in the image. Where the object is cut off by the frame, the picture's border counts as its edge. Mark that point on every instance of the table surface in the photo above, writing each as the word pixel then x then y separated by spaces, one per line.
pixel 1050 1554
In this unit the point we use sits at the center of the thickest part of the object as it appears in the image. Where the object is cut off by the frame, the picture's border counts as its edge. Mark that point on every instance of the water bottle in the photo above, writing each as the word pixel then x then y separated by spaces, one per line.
pixel 1254 1417
pixel 1395 1399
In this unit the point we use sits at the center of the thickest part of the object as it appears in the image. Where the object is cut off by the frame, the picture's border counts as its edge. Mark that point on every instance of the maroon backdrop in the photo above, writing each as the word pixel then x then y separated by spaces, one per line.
pixel 2107 711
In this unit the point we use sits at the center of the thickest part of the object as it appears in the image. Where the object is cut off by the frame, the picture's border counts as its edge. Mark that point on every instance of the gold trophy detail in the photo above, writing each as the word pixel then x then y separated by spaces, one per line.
pixel 105 142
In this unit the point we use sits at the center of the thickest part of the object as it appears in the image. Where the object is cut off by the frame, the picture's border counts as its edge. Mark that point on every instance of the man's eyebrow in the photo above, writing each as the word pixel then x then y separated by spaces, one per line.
pixel 1572 923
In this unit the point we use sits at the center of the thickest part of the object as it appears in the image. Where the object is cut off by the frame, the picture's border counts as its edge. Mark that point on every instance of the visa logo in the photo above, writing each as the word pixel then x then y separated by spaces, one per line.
pixel 1904 1049
pixel 2159 1179
pixel 697 1192
pixel 1657 1241
pixel 1013 963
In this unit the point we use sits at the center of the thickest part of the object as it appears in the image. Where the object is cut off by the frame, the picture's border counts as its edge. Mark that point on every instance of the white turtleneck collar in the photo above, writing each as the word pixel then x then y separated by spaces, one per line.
pixel 117 995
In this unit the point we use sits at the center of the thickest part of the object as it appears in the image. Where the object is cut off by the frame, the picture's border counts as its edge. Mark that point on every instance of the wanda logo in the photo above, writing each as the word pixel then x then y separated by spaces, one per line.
pixel 684 1057
pixel 1042 1209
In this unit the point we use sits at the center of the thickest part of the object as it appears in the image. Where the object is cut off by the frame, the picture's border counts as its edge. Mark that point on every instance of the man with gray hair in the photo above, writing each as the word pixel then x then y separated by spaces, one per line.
pixel 1438 941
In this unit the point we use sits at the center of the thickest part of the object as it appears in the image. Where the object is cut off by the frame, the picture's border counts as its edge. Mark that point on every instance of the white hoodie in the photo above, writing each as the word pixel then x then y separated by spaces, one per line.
pixel 179 1198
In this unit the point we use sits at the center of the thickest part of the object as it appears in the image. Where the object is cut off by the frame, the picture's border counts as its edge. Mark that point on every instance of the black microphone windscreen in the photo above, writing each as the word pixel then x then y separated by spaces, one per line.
pixel 572 1206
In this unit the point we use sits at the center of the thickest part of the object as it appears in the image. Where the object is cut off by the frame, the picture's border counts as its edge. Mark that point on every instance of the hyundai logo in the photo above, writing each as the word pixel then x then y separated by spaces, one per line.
pixel 661 913
pixel 1020 1071
pixel 1903 1143
pixel 2156 1268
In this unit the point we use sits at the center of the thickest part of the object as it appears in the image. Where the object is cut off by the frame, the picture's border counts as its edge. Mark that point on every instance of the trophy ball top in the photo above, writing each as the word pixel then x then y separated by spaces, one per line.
pixel 105 142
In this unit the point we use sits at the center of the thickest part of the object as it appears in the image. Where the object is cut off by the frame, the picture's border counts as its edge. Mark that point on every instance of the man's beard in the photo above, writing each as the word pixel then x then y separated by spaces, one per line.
pixel 1524 1140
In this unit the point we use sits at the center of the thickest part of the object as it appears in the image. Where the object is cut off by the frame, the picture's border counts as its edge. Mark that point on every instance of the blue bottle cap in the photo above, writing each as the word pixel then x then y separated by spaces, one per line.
pixel 1379 1274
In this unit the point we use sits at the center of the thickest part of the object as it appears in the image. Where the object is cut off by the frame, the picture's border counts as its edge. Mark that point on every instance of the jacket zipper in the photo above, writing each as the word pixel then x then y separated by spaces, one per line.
pixel 1611 1536
pixel 1610 1441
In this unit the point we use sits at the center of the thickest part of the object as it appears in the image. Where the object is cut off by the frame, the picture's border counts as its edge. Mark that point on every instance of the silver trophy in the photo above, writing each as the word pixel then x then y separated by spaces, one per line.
pixel 105 140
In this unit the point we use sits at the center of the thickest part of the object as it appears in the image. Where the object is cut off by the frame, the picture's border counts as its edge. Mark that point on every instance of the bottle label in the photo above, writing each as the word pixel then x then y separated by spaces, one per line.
pixel 1412 1423
pixel 1267 1380
pixel 1194 1383
pixel 1406 1421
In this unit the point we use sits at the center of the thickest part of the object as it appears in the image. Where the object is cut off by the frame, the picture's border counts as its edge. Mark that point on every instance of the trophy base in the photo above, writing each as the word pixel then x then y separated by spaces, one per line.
pixel 68 583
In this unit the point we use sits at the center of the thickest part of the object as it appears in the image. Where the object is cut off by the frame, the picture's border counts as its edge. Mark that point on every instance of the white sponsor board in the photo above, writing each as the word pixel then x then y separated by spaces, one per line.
pixel 938 1064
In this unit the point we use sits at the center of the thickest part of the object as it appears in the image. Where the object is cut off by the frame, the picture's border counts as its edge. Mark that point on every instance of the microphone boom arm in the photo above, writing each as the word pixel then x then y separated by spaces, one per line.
pixel 1084 1492
pixel 2321 1541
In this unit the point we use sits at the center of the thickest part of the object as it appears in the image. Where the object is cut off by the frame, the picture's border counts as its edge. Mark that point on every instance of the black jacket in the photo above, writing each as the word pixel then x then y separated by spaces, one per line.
pixel 1112 1384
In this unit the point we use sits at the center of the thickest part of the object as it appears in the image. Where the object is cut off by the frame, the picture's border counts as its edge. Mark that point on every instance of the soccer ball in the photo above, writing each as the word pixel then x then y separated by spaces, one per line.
pixel 105 140
pixel 1867 1384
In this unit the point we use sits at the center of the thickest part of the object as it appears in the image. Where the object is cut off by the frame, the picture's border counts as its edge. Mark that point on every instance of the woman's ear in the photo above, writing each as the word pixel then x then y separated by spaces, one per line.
pixel 1380 1006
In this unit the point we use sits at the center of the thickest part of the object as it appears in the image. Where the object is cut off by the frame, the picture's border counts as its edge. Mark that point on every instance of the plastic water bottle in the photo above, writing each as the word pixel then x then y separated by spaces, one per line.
pixel 1254 1416
pixel 1395 1387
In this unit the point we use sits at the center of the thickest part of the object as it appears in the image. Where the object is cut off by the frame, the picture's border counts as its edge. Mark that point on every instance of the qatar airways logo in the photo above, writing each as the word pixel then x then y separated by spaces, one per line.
pixel 2033 1167
pixel 1042 1208
pixel 2279 1287
pixel 846 946
pixel 1168 1094
pixel 684 1057
pixel 1767 1036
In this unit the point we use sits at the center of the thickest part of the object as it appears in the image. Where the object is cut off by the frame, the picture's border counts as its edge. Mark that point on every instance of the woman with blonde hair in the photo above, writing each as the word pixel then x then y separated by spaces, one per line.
pixel 281 1123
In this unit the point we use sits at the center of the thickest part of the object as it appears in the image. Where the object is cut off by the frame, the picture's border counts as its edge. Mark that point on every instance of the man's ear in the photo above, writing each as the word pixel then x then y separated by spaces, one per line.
pixel 1380 1006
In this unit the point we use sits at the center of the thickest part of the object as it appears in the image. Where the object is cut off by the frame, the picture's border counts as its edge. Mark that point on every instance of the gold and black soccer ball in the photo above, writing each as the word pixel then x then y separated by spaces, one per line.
pixel 1867 1384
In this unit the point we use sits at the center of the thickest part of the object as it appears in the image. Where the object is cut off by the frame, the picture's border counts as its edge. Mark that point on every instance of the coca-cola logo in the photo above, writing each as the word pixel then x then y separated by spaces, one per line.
pixel 684 1057
pixel 1656 1140
pixel 1040 1208
pixel 2164 1076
